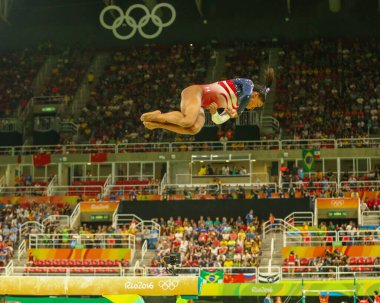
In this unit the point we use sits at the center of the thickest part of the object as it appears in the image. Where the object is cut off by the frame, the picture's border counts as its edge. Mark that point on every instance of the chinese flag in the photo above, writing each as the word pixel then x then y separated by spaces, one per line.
pixel 98 157
pixel 41 159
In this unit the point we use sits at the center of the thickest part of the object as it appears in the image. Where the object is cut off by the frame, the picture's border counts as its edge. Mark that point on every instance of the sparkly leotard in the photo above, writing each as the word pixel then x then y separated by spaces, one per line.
pixel 236 93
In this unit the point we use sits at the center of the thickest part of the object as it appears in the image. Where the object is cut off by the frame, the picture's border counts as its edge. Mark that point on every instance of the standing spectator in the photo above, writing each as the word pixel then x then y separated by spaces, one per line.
pixel 291 262
pixel 363 206
pixel 209 170
pixel 249 217
pixel 376 298
pixel 242 171
pixel 291 191
pixel 90 78
pixel 202 170
pixel 225 170
pixel 267 298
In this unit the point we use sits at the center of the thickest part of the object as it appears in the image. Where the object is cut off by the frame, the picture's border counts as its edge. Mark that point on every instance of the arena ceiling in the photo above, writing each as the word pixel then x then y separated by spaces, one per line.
pixel 77 21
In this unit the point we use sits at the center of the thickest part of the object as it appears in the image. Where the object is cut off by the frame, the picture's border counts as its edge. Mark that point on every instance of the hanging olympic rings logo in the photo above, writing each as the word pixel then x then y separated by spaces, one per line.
pixel 137 25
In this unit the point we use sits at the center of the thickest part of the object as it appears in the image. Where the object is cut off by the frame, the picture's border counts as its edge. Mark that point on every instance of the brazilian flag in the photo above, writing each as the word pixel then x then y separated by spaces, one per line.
pixel 308 160
pixel 212 276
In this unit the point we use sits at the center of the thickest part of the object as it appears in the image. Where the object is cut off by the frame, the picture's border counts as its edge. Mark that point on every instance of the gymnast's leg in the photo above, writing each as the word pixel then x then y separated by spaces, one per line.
pixel 179 129
pixel 190 108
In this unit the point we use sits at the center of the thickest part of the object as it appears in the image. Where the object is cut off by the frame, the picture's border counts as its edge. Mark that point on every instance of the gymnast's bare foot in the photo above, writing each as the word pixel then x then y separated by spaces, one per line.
pixel 151 125
pixel 148 116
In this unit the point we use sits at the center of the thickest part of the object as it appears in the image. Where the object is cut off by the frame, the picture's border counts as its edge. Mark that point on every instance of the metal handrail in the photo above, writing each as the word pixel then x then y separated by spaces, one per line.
pixel 60 190
pixel 61 219
pixel 21 231
pixel 195 146
pixel 21 250
pixel 153 225
pixel 107 183
pixel 114 240
pixel 374 184
pixel 122 219
pixel 75 215
pixel 29 190
pixel 299 218
pixel 283 272
pixel 144 249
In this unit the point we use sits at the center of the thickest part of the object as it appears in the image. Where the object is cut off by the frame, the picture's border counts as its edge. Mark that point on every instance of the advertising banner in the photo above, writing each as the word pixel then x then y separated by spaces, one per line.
pixel 24 200
pixel 290 288
pixel 314 251
pixel 97 286
pixel 79 254
pixel 98 207
pixel 56 300
pixel 337 203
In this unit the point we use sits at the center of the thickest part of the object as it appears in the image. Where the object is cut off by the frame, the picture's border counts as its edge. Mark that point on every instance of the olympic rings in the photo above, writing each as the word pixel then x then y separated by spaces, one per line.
pixel 168 285
pixel 337 203
pixel 137 26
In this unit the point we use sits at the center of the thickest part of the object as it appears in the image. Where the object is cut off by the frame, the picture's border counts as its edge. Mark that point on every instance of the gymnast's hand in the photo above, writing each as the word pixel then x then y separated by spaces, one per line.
pixel 231 112
pixel 213 108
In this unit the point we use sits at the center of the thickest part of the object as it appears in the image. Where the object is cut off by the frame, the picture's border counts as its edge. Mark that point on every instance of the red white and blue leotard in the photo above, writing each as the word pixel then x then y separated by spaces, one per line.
pixel 235 92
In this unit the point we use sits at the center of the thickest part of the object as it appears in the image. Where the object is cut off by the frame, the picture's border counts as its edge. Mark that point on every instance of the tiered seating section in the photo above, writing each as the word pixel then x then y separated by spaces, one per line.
pixel 353 264
pixel 326 89
pixel 243 60
pixel 210 243
pixel 68 73
pixel 133 185
pixel 139 80
pixel 86 188
pixel 18 70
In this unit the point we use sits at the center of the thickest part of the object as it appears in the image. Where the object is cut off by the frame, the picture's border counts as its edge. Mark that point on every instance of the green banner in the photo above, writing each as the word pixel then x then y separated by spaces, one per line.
pixel 291 288
pixel 308 160
pixel 55 300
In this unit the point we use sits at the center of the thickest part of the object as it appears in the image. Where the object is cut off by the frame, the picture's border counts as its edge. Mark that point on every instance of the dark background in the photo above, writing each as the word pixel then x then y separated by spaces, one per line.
pixel 214 208
pixel 77 21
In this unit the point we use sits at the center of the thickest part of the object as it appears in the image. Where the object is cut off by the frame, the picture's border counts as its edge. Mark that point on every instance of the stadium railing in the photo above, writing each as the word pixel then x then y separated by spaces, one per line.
pixel 11 191
pixel 192 146
pixel 359 237
pixel 56 220
pixel 298 237
pixel 304 185
pixel 364 185
pixel 82 240
pixel 30 227
pixel 309 272
pixel 125 190
pixel 300 218
pixel 281 226
pixel 253 274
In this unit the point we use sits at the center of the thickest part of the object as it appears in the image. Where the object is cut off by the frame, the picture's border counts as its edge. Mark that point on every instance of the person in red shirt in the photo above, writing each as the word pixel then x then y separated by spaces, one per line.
pixel 376 298
pixel 324 298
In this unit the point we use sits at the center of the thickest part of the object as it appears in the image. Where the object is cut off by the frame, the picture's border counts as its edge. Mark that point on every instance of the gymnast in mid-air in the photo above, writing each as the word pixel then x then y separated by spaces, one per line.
pixel 231 95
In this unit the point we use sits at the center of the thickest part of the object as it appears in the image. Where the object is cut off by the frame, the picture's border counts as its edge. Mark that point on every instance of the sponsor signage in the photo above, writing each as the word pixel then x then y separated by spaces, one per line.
pixel 97 286
pixel 99 217
pixel 48 109
pixel 290 288
pixel 337 203
pixel 337 214
pixel 98 207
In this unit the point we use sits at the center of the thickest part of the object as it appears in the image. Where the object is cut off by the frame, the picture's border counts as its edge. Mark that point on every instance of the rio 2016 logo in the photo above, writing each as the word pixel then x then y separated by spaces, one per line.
pixel 126 20
pixel 138 285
